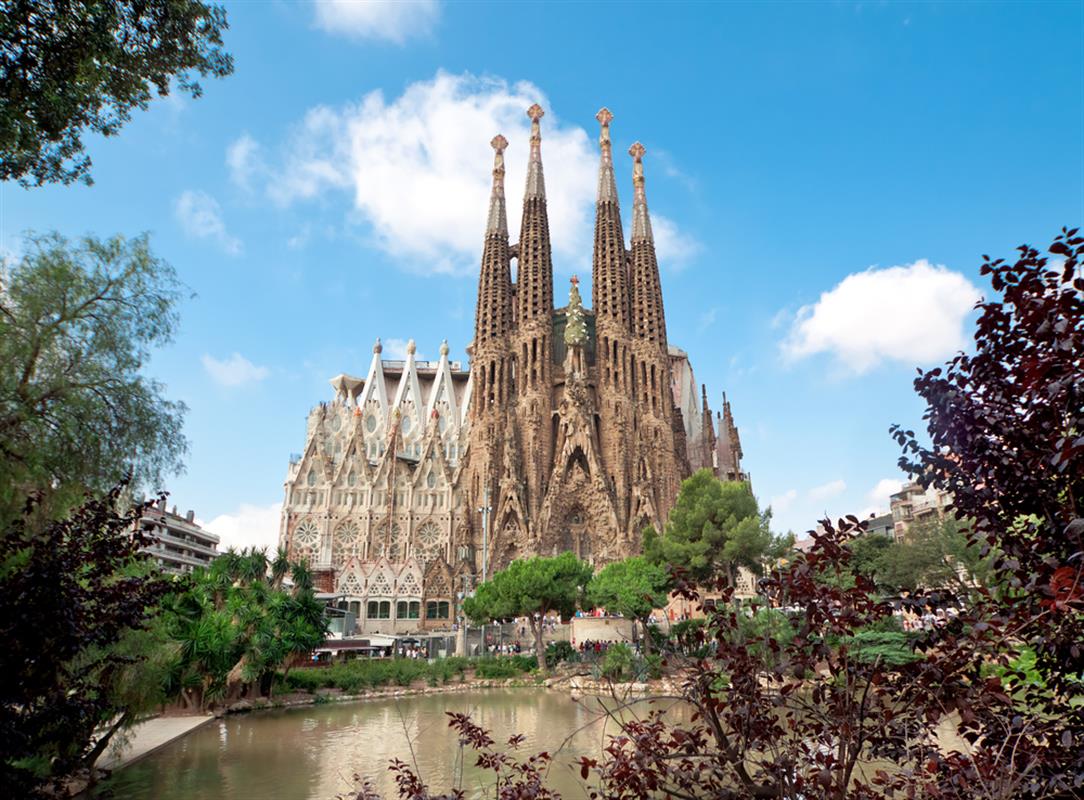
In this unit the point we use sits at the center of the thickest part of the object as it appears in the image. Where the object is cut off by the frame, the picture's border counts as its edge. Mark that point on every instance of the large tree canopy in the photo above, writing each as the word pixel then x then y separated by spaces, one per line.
pixel 714 525
pixel 529 587
pixel 633 588
pixel 70 66
pixel 77 321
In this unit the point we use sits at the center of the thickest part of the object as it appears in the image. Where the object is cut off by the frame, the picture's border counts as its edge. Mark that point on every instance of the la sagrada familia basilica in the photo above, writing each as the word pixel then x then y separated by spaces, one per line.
pixel 571 431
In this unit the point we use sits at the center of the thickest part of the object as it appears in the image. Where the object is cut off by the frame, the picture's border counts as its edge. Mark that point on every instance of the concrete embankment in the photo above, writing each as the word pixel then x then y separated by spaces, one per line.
pixel 148 736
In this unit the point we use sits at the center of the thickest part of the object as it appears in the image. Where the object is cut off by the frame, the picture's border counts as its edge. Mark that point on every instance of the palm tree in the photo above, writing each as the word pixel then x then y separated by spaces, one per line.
pixel 280 568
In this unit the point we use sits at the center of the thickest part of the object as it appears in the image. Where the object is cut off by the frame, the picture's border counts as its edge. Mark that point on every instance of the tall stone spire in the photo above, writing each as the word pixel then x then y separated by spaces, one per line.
pixel 609 290
pixel 493 314
pixel 534 288
pixel 647 311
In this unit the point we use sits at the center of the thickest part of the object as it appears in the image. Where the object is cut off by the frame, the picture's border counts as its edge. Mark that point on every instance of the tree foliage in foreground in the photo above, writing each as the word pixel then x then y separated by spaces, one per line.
pixel 72 66
pixel 714 525
pixel 530 587
pixel 68 594
pixel 77 323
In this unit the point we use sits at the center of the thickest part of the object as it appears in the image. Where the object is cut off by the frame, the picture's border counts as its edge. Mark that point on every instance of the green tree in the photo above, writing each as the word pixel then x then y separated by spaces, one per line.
pixel 634 588
pixel 235 623
pixel 869 554
pixel 932 555
pixel 77 322
pixel 531 588
pixel 714 527
pixel 72 66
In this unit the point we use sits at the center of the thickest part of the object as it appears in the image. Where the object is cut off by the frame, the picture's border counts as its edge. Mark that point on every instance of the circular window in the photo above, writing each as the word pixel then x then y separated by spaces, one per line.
pixel 404 426
pixel 370 423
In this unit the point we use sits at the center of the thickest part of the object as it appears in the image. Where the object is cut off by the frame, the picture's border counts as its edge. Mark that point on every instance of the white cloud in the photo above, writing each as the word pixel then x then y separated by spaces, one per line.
pixel 783 502
pixel 200 216
pixel 233 371
pixel 249 526
pixel 880 494
pixel 913 314
pixel 707 319
pixel 830 489
pixel 673 247
pixel 418 168
pixel 396 350
pixel 395 20
pixel 244 160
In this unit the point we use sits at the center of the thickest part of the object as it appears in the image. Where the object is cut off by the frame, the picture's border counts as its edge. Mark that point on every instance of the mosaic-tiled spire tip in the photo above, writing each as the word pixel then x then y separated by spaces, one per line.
pixel 607 185
pixel 536 185
pixel 641 222
pixel 498 215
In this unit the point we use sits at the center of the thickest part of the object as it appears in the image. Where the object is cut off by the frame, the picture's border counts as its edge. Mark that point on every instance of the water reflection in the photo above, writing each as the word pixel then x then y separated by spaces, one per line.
pixel 312 753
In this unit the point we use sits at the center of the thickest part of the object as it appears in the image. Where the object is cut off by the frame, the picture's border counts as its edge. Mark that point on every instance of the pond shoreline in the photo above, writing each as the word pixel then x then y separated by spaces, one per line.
pixel 158 732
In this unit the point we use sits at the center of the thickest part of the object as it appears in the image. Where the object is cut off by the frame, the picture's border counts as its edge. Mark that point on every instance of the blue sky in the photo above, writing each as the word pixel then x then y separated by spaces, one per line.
pixel 823 180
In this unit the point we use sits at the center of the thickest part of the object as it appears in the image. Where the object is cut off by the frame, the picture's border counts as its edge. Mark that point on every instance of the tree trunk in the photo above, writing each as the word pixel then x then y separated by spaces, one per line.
pixel 647 636
pixel 540 651
pixel 101 744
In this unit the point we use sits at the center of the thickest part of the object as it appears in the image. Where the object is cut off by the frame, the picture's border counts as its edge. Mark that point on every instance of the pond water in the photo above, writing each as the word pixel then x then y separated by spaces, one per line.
pixel 311 753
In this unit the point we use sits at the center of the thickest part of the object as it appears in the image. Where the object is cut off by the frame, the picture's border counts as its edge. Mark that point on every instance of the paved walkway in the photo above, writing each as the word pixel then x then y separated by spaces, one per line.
pixel 146 737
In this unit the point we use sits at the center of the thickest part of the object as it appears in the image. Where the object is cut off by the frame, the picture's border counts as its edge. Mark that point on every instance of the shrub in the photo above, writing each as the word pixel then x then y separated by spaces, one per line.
pixel 891 647
pixel 504 667
pixel 560 651
pixel 653 664
pixel 618 661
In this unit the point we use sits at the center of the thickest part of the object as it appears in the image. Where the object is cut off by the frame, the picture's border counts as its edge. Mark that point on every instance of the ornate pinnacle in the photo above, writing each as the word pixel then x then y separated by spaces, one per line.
pixel 498 143
pixel 641 224
pixel 604 118
pixel 378 348
pixel 444 347
pixel 536 186
pixel 497 222
pixel 607 186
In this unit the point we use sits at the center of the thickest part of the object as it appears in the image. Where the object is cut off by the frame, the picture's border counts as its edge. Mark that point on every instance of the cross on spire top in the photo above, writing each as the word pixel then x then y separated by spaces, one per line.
pixel 637 151
pixel 498 143
pixel 535 112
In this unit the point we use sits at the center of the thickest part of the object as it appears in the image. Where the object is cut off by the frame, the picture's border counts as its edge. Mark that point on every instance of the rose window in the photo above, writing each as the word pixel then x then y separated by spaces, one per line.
pixel 346 544
pixel 429 542
pixel 306 541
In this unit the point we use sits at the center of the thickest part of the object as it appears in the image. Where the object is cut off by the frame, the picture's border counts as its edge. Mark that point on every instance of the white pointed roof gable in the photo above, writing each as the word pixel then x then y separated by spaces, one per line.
pixel 374 381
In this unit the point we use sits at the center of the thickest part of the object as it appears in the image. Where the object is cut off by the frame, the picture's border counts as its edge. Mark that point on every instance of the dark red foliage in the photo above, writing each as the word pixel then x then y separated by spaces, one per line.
pixel 63 601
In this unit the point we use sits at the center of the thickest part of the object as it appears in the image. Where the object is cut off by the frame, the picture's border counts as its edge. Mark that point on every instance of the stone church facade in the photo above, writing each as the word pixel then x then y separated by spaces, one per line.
pixel 571 431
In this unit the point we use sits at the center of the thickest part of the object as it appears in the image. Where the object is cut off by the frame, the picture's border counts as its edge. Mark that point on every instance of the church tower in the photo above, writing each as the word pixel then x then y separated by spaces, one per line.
pixel 658 470
pixel 613 325
pixel 516 517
